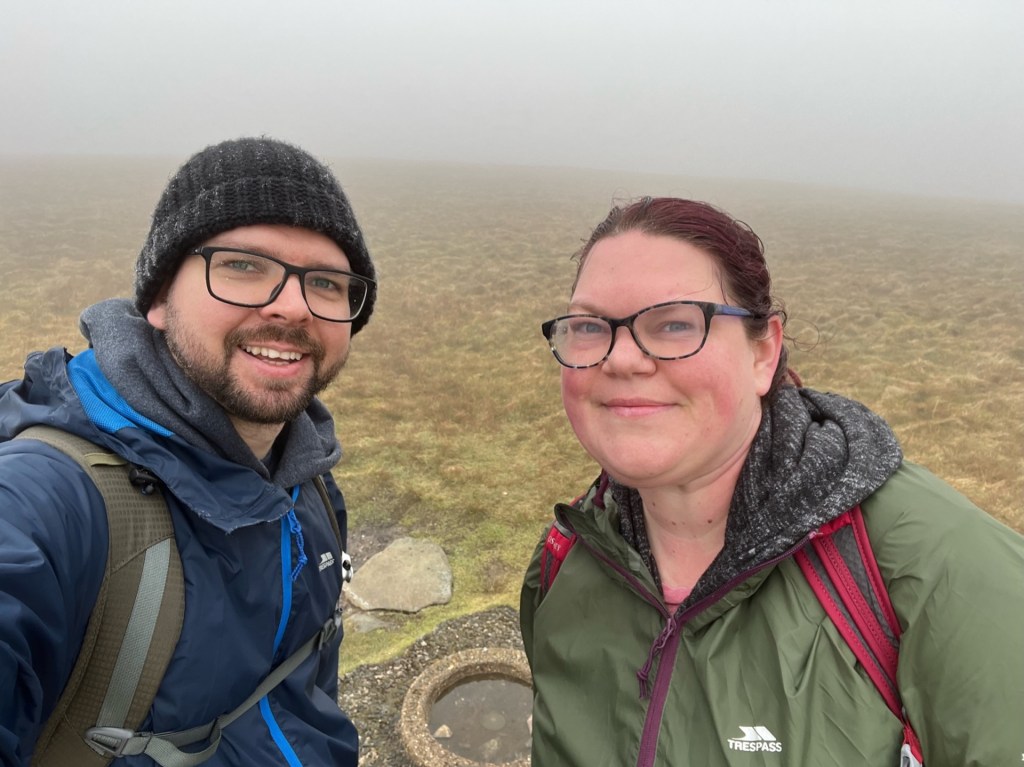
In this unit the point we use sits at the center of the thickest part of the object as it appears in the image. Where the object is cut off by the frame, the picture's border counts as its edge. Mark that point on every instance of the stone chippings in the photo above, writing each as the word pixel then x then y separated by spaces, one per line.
pixel 372 695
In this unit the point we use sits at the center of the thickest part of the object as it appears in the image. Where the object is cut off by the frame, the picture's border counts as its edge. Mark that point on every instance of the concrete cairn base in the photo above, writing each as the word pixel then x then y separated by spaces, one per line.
pixel 437 679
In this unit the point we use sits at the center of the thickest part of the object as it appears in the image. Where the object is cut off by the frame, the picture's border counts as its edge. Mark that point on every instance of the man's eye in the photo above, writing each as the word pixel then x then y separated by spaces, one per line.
pixel 239 265
pixel 326 284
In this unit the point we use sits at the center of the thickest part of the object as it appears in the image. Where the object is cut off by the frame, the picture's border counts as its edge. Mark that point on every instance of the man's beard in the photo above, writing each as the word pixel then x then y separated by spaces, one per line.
pixel 272 403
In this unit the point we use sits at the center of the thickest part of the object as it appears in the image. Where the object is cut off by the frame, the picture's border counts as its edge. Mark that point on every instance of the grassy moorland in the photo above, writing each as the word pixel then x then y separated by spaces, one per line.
pixel 449 408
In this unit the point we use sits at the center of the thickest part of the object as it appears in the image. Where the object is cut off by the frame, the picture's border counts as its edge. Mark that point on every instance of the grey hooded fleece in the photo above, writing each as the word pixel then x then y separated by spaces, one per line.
pixel 814 456
pixel 134 357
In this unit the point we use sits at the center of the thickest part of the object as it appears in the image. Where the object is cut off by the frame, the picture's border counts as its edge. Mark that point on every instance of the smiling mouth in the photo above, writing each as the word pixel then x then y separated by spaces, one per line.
pixel 635 408
pixel 273 354
pixel 634 403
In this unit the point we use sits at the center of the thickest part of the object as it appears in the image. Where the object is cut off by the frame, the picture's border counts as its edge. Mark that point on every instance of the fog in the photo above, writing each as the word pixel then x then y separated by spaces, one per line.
pixel 914 96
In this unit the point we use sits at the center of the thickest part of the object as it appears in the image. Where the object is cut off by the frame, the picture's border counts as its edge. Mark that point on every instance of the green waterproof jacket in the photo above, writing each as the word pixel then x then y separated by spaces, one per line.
pixel 756 674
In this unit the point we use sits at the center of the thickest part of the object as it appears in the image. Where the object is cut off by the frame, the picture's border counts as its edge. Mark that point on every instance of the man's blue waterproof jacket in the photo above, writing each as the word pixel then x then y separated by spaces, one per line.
pixel 259 581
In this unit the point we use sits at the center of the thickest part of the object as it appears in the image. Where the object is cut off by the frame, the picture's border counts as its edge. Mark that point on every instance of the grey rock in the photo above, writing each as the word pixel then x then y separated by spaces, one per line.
pixel 407 576
pixel 359 622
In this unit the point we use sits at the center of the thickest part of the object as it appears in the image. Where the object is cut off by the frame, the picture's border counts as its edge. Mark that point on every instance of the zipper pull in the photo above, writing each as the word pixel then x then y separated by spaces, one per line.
pixel 644 674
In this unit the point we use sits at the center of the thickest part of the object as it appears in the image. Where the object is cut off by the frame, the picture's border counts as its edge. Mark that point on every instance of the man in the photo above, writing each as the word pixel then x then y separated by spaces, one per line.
pixel 248 289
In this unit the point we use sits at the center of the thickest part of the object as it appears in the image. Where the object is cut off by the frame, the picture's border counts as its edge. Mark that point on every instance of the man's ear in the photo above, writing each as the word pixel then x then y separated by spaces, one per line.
pixel 157 314
pixel 767 350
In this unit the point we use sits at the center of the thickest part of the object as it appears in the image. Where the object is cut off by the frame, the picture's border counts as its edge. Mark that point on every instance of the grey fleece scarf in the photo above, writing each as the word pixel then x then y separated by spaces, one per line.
pixel 814 456
pixel 134 357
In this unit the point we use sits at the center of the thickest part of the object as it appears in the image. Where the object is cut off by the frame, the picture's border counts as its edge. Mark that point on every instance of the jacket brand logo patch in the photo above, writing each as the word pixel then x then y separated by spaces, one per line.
pixel 326 560
pixel 755 738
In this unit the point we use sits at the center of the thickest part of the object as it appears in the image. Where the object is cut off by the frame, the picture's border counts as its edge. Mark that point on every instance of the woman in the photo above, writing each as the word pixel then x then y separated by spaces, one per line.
pixel 680 630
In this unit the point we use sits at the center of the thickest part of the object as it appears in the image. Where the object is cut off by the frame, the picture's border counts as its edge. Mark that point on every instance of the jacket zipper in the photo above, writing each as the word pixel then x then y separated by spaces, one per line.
pixel 289 528
pixel 667 642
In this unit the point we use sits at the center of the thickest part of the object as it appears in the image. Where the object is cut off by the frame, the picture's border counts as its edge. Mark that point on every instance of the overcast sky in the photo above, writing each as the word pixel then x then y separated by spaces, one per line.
pixel 918 96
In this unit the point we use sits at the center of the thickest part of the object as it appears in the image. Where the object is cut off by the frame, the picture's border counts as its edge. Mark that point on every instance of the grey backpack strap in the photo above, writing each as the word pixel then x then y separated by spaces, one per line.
pixel 136 621
pixel 165 748
pixel 346 560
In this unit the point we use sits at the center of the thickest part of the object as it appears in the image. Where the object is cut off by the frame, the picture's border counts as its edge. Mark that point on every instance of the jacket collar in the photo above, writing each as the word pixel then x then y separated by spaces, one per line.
pixel 814 456
pixel 219 491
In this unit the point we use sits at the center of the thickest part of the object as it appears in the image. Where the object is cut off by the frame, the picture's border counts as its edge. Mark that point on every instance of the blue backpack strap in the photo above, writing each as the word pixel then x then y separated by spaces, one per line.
pixel 842 571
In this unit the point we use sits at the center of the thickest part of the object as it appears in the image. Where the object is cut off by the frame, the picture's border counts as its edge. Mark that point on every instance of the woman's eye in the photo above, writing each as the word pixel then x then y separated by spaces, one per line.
pixel 588 327
pixel 677 326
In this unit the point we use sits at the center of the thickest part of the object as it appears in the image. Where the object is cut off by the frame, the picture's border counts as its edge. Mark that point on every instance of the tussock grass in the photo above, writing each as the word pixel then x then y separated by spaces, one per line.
pixel 449 409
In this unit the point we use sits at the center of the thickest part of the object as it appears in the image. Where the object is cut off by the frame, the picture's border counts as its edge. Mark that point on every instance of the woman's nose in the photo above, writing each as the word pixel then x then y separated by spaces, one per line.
pixel 626 354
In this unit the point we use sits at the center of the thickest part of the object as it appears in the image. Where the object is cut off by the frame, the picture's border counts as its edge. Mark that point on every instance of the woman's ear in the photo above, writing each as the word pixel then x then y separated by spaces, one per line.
pixel 767 350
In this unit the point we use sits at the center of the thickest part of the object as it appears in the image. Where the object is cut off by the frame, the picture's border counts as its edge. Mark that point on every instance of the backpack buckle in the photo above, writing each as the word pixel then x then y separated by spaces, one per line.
pixel 346 567
pixel 143 479
pixel 110 741
pixel 329 630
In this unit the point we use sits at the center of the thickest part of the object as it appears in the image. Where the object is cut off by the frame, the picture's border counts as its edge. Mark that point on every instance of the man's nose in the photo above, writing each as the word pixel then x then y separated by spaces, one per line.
pixel 289 303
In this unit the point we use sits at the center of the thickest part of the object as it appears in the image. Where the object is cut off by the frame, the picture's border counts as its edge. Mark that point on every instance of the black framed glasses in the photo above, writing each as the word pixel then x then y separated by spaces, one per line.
pixel 242 278
pixel 672 330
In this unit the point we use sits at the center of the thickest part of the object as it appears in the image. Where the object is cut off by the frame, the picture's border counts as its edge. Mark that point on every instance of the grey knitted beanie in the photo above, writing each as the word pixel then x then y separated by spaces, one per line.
pixel 242 182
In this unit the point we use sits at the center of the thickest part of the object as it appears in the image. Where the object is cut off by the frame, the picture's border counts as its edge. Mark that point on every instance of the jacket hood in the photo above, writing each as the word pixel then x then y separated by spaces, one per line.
pixel 44 396
pixel 71 393
pixel 134 355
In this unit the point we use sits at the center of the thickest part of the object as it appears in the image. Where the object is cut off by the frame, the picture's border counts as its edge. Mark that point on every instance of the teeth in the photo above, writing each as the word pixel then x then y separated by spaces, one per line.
pixel 274 354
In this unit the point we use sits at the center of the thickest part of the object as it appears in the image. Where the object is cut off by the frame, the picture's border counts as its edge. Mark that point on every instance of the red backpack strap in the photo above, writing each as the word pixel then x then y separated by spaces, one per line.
pixel 560 538
pixel 556 547
pixel 842 571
